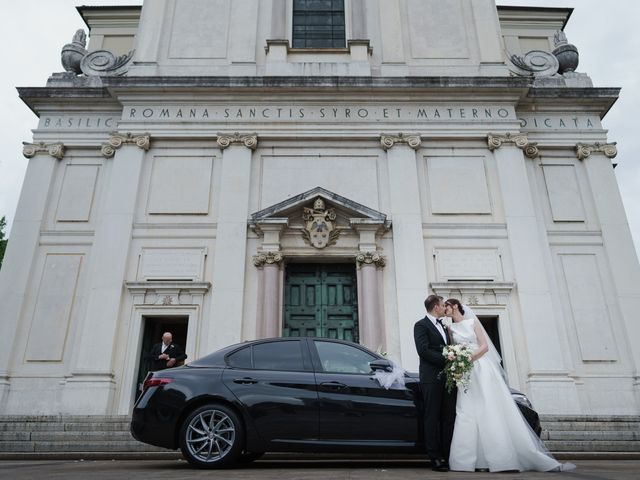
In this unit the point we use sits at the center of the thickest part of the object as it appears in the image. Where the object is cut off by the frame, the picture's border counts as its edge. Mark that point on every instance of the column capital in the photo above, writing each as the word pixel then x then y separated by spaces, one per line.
pixel 388 141
pixel 370 258
pixel 520 140
pixel 584 150
pixel 267 258
pixel 30 150
pixel 248 140
pixel 116 140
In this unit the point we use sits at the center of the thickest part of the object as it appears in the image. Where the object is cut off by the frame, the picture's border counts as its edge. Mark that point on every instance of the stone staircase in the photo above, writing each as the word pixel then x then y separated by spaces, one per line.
pixel 106 437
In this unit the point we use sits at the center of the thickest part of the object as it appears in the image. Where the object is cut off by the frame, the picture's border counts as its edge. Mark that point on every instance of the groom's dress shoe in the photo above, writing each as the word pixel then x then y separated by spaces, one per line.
pixel 439 466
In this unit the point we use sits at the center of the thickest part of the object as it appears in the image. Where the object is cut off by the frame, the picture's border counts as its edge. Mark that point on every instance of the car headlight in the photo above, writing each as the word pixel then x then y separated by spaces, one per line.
pixel 522 399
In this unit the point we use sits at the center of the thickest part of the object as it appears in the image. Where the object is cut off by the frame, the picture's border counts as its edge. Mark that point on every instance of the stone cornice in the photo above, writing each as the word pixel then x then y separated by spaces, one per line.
pixel 412 140
pixel 249 140
pixel 116 141
pixel 267 258
pixel 30 150
pixel 370 258
pixel 520 140
pixel 583 150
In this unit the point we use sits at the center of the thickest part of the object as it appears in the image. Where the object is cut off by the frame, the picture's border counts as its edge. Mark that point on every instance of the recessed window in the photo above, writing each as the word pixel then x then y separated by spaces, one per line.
pixel 318 24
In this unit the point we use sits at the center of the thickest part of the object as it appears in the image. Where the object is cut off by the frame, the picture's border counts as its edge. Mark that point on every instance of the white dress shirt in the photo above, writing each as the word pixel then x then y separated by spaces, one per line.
pixel 438 327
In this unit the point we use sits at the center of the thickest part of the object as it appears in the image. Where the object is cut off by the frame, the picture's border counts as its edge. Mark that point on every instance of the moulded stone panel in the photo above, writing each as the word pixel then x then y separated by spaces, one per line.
pixel 171 263
pixel 588 305
pixel 564 193
pixel 180 185
pixel 458 185
pixel 437 29
pixel 288 176
pixel 468 264
pixel 54 302
pixel 199 29
pixel 77 193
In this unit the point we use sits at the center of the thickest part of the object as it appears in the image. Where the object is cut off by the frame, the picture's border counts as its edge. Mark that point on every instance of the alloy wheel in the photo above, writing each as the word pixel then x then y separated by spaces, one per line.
pixel 210 436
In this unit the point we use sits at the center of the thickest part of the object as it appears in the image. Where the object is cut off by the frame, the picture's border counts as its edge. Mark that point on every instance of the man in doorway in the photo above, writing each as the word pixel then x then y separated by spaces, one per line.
pixel 165 354
pixel 439 406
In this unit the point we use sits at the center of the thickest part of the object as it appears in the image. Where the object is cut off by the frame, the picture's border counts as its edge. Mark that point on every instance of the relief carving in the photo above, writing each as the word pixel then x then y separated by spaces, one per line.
pixel 370 258
pixel 267 258
pixel 520 140
pixel 30 150
pixel 117 140
pixel 320 228
pixel 388 141
pixel 609 149
pixel 250 141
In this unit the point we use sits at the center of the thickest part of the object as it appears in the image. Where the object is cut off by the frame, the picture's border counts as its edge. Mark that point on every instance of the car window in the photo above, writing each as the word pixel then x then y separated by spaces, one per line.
pixel 341 358
pixel 240 358
pixel 278 356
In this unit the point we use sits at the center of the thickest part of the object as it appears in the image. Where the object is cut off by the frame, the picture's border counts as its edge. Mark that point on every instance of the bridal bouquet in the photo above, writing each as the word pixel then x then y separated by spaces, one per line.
pixel 458 365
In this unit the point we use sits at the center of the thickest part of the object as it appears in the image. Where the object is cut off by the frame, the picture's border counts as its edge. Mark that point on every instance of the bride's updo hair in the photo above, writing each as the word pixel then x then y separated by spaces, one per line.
pixel 455 301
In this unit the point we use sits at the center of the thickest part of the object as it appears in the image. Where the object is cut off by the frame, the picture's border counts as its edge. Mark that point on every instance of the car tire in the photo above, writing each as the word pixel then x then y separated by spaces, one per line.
pixel 212 436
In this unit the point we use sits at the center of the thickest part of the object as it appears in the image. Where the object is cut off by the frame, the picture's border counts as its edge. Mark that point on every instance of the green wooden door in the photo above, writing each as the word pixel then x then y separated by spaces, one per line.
pixel 321 301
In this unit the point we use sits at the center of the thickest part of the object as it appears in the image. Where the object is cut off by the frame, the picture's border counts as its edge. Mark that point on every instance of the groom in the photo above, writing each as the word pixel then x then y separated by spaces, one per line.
pixel 439 406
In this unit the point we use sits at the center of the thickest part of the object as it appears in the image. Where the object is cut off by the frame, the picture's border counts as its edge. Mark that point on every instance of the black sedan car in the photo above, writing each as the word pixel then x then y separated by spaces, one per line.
pixel 285 395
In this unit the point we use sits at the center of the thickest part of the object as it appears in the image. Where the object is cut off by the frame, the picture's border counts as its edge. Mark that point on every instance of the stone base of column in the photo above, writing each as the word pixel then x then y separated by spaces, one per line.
pixel 554 395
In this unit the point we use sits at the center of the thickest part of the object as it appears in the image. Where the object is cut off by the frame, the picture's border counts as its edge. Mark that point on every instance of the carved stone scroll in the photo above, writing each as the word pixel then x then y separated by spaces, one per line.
pixel 583 151
pixel 370 258
pixel 267 258
pixel 30 150
pixel 250 141
pixel 117 140
pixel 520 140
pixel 104 63
pixel 388 141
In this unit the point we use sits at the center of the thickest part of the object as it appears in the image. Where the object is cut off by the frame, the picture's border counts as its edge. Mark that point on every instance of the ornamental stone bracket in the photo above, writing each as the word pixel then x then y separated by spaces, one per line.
pixel 412 140
pixel 370 258
pixel 584 151
pixel 167 293
pixel 267 258
pixel 116 141
pixel 30 150
pixel 520 140
pixel 249 140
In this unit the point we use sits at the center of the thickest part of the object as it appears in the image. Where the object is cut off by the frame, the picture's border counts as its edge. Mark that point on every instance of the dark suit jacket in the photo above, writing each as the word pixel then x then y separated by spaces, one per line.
pixel 429 344
pixel 173 350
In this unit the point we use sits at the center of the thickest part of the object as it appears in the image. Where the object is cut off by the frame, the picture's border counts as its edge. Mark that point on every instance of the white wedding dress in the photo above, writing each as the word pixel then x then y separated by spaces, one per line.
pixel 490 432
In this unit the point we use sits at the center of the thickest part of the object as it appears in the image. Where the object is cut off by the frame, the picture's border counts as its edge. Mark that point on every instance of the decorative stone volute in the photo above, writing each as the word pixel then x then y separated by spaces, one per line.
pixel 520 140
pixel 388 141
pixel 30 150
pixel 73 53
pixel 249 140
pixel 536 63
pixel 566 53
pixel 609 149
pixel 267 258
pixel 370 258
pixel 117 140
pixel 104 63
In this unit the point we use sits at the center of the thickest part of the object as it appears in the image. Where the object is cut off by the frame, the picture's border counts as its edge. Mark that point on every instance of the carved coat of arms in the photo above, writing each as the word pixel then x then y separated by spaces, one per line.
pixel 320 228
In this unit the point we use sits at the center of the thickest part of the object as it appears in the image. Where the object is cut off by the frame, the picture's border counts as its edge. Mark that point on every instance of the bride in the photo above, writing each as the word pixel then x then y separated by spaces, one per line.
pixel 490 432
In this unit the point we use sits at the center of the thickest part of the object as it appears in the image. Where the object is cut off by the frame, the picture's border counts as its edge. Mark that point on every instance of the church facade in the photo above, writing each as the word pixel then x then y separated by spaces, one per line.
pixel 231 170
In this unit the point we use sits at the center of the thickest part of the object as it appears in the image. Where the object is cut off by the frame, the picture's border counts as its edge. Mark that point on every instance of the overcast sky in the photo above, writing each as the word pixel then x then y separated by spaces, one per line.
pixel 605 33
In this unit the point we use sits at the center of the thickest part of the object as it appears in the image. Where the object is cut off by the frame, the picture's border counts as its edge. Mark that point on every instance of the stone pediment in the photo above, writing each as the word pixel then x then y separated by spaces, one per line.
pixel 293 208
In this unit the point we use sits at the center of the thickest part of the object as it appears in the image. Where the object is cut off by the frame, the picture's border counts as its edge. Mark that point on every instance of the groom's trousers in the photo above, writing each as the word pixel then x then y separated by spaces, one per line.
pixel 439 419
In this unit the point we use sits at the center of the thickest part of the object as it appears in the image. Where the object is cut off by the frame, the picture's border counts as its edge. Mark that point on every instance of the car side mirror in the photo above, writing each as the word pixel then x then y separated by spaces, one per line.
pixel 381 364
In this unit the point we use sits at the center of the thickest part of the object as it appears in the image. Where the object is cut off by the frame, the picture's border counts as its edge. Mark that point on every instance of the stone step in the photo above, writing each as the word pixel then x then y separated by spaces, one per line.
pixel 590 418
pixel 63 427
pixel 55 436
pixel 592 446
pixel 75 446
pixel 590 426
pixel 591 435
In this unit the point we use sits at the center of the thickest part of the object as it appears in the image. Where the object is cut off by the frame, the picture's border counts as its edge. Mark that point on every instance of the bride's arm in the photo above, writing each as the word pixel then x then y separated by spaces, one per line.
pixel 483 346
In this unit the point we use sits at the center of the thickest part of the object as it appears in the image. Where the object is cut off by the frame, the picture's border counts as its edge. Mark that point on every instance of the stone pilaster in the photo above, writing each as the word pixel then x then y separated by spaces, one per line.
pixel 269 319
pixel 585 150
pixel 230 253
pixel 521 141
pixel 388 141
pixel 408 240
pixel 30 150
pixel 117 140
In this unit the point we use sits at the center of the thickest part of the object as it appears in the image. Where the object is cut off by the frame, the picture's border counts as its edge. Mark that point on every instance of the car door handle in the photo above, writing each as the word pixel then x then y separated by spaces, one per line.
pixel 245 381
pixel 335 385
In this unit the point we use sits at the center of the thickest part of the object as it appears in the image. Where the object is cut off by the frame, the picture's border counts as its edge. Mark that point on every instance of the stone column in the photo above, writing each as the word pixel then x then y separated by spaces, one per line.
pixel 551 388
pixel 408 240
pixel 229 259
pixel 371 320
pixel 269 324
pixel 90 389
pixel 148 38
pixel 23 245
pixel 617 239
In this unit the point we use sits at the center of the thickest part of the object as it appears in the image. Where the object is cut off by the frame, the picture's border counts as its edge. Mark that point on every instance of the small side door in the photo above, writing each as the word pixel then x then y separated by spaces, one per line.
pixel 353 406
pixel 275 382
